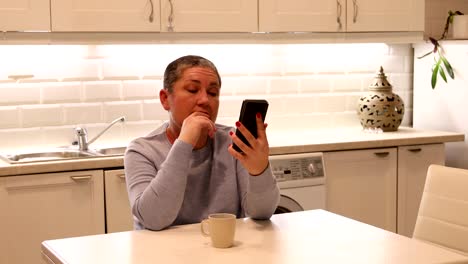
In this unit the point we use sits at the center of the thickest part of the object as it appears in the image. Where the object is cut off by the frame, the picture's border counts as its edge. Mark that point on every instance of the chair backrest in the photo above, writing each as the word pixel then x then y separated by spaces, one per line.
pixel 443 213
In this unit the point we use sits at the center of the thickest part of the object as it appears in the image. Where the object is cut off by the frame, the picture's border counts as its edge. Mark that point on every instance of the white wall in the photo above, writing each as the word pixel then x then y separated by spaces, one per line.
pixel 47 90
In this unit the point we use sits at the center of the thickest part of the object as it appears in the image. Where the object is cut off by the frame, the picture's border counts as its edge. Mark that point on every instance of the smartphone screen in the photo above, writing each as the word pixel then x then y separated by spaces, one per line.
pixel 248 118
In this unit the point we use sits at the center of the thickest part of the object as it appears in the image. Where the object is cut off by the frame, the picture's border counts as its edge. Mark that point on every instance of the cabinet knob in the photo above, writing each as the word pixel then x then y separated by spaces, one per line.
pixel 121 176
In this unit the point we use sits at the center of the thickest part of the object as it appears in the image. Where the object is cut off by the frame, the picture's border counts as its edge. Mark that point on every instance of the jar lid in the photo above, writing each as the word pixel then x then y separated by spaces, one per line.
pixel 380 82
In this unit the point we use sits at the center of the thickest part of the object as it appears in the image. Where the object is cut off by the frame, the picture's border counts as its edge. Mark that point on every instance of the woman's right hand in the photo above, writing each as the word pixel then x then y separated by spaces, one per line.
pixel 196 126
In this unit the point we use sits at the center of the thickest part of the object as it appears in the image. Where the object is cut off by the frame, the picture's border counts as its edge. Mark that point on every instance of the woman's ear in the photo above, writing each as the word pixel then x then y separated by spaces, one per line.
pixel 164 98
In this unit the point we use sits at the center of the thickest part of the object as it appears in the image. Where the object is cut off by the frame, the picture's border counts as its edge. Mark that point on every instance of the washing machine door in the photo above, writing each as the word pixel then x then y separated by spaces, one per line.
pixel 287 205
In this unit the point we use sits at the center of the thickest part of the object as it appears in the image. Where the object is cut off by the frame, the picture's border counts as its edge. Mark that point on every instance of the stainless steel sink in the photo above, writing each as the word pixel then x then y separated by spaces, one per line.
pixel 61 154
pixel 111 151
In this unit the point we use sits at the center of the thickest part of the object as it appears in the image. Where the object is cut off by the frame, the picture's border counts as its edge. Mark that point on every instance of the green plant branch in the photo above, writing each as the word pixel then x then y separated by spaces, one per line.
pixel 441 64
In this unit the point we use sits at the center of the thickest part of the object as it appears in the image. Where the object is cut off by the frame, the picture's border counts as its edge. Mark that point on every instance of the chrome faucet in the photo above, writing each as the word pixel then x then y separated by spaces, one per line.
pixel 82 134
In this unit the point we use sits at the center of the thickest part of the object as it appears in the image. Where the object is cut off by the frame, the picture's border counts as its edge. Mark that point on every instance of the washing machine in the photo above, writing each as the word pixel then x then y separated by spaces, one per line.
pixel 301 180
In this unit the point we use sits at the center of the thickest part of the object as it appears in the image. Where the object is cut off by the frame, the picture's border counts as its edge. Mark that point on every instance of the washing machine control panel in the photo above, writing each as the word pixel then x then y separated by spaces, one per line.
pixel 297 166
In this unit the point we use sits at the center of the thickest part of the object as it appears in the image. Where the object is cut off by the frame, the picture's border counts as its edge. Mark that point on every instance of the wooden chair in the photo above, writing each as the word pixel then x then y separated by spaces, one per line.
pixel 443 213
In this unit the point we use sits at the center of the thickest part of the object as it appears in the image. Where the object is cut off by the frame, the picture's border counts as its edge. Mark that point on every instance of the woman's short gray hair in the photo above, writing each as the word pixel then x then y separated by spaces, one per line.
pixel 174 70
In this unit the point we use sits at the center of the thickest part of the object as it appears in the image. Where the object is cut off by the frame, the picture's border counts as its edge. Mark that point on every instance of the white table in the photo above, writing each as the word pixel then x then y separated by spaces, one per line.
pixel 315 236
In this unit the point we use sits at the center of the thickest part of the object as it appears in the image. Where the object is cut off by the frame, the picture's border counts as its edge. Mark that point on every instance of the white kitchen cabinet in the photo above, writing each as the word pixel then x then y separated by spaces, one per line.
pixel 48 206
pixel 118 213
pixel 341 15
pixel 362 184
pixel 105 15
pixel 413 162
pixel 209 16
pixel 301 15
pixel 381 187
pixel 26 15
pixel 385 15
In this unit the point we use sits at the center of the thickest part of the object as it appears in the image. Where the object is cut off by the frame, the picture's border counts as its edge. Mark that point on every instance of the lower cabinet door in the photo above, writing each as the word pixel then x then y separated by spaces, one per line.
pixel 48 206
pixel 413 162
pixel 362 185
pixel 118 213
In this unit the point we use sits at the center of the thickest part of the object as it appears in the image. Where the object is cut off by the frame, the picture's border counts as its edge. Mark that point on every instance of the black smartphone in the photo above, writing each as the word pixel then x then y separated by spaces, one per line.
pixel 247 117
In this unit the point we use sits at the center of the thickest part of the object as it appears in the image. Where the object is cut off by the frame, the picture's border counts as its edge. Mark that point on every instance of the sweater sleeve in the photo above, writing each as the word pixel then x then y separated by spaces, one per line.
pixel 259 194
pixel 156 196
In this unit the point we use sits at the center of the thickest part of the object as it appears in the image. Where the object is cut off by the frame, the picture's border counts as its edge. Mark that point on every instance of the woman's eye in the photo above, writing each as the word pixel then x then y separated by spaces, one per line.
pixel 213 94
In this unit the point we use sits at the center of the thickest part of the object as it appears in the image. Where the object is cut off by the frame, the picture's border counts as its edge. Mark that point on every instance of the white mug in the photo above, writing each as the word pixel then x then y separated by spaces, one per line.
pixel 221 229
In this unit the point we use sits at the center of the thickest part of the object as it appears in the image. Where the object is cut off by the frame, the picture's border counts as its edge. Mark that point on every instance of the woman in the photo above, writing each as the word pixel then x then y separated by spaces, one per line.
pixel 187 168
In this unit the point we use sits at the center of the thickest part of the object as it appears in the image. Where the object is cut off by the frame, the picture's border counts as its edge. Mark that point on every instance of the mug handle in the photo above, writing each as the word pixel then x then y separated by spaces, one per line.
pixel 202 226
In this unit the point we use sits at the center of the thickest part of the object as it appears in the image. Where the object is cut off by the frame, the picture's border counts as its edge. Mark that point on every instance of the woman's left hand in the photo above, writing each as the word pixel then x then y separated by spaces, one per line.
pixel 254 157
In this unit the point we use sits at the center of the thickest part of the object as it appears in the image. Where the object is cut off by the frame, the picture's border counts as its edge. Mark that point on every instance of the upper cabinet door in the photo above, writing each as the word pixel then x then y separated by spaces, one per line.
pixel 106 15
pixel 209 16
pixel 302 15
pixel 25 15
pixel 385 15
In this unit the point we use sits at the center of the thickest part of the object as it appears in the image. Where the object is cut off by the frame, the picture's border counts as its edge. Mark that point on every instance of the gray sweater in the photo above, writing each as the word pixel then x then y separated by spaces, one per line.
pixel 175 184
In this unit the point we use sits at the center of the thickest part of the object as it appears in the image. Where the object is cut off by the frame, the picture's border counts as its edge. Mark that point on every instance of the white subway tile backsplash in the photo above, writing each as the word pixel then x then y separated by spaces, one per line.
pixel 115 133
pixel 153 110
pixel 299 122
pixel 347 83
pixel 9 117
pixel 407 118
pixel 58 136
pixel 83 113
pixel 401 50
pixel 102 91
pixel 303 104
pixel 18 94
pixel 351 102
pixel 307 85
pixel 61 92
pixel 277 106
pixel 138 129
pixel 331 103
pixel 245 86
pixel 142 89
pixel 20 139
pixel 41 115
pixel 394 64
pixel 400 82
pixel 345 119
pixel 284 85
pixel 316 84
pixel 229 107
pixel 132 110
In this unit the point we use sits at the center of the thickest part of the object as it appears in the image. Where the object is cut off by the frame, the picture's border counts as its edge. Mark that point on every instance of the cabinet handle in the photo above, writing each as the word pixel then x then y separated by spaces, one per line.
pixel 170 18
pixel 338 14
pixel 122 176
pixel 81 178
pixel 151 15
pixel 381 154
pixel 415 149
pixel 355 11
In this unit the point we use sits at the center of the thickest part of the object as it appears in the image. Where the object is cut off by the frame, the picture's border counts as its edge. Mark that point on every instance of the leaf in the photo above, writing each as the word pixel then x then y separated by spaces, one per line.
pixel 435 72
pixel 429 53
pixel 448 67
pixel 442 73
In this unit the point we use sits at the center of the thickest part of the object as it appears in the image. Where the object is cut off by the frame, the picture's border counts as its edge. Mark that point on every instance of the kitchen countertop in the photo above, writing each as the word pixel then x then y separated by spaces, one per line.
pixel 285 142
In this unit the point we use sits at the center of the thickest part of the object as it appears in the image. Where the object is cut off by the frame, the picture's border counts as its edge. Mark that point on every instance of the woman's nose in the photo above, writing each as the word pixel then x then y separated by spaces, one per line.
pixel 202 97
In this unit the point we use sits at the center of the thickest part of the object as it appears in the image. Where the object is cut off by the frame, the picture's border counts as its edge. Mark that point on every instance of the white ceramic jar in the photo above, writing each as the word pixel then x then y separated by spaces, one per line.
pixel 380 109
pixel 460 27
